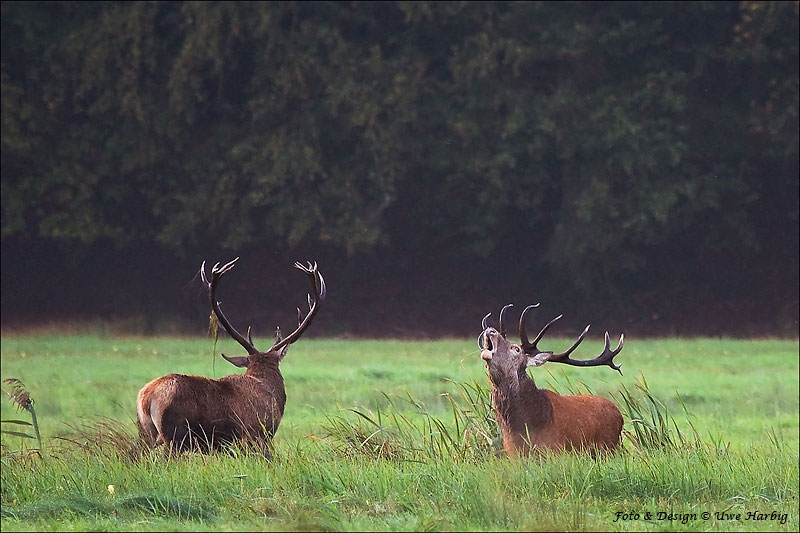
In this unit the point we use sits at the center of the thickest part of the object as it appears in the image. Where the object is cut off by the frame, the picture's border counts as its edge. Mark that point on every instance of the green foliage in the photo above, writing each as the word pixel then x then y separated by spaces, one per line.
pixel 582 131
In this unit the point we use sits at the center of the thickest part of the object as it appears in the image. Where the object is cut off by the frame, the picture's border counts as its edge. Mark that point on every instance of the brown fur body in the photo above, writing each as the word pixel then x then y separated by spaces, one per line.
pixel 542 419
pixel 187 412
pixel 537 419
pixel 192 412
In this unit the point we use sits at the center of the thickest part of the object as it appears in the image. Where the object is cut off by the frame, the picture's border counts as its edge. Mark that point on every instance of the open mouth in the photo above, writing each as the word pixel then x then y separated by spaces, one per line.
pixel 486 345
pixel 485 342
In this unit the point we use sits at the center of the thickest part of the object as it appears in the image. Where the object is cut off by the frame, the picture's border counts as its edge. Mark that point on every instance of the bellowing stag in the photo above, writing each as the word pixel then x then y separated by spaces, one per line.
pixel 192 412
pixel 534 418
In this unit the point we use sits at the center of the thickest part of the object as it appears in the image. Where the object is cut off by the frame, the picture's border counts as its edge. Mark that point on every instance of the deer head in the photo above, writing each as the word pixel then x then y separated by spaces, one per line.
pixel 504 356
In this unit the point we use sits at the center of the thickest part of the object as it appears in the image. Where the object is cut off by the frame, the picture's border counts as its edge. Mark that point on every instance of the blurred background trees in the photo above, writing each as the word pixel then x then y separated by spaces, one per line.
pixel 631 155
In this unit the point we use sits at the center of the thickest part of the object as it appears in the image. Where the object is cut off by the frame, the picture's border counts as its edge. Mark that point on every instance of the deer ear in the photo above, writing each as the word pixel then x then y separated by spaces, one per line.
pixel 241 362
pixel 282 352
pixel 539 359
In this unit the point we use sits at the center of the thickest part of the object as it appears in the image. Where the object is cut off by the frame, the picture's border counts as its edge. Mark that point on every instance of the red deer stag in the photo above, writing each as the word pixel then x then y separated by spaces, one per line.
pixel 192 412
pixel 534 418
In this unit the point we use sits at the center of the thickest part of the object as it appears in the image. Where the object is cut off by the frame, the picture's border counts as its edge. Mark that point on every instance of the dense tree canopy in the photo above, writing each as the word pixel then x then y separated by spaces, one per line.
pixel 574 132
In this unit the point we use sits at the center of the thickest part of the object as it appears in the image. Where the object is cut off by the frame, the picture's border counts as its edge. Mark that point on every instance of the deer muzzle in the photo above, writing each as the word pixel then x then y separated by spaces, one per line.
pixel 487 344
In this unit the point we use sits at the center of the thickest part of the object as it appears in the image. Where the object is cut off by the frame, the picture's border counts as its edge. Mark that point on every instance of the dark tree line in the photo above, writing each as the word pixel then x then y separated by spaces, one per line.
pixel 600 143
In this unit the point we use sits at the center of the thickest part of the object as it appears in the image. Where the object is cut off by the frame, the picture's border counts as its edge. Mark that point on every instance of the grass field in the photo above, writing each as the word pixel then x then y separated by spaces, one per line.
pixel 392 435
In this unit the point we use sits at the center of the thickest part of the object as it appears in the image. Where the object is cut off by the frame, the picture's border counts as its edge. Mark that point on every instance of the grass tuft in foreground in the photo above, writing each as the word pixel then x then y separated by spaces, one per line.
pixel 406 430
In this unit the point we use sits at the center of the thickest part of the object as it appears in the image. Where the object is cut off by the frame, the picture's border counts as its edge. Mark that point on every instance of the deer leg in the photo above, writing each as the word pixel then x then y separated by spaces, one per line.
pixel 148 431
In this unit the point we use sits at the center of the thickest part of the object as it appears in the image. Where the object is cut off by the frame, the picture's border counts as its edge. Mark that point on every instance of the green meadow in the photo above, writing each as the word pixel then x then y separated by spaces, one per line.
pixel 388 435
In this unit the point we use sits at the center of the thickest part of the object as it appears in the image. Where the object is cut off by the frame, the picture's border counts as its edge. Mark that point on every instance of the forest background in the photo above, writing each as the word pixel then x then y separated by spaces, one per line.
pixel 633 165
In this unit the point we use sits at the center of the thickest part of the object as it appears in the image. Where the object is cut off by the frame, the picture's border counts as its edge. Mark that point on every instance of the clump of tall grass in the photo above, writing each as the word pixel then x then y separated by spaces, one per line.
pixel 110 439
pixel 649 423
pixel 106 438
pixel 406 430
pixel 21 398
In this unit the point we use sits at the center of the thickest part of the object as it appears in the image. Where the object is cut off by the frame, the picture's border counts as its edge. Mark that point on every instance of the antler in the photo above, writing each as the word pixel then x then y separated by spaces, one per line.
pixel 216 273
pixel 319 289
pixel 530 348
pixel 501 327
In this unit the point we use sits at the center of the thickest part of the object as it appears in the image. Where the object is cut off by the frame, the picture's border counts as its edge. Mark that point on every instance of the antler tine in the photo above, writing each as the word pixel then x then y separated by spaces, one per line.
pixel 541 333
pixel 574 345
pixel 203 272
pixel 311 270
pixel 216 273
pixel 484 324
pixel 323 290
pixel 611 354
pixel 619 344
pixel 249 336
pixel 605 358
pixel 220 270
pixel 523 335
pixel 318 281
pixel 502 326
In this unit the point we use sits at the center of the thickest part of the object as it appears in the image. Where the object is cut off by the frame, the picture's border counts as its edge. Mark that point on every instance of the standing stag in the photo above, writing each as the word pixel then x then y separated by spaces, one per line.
pixel 531 417
pixel 186 412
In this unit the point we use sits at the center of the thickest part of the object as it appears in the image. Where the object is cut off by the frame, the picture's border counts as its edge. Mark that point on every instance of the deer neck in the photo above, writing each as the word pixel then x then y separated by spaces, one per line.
pixel 265 369
pixel 264 379
pixel 520 406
